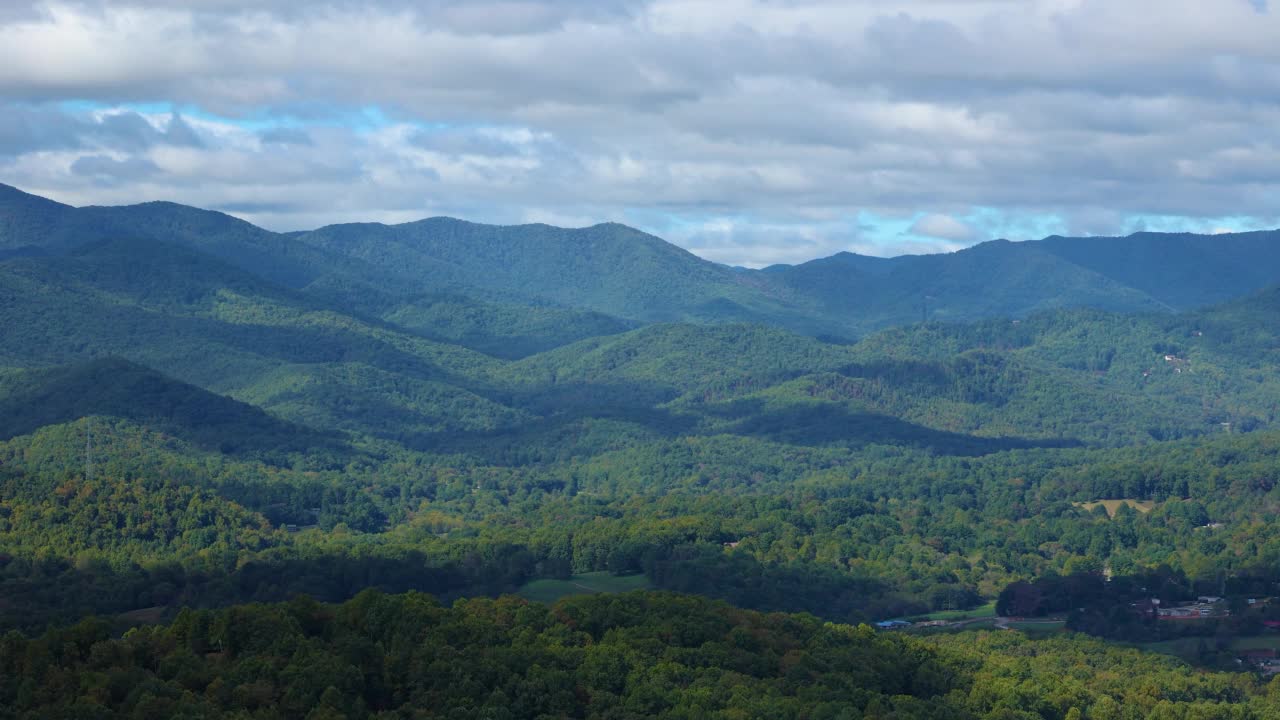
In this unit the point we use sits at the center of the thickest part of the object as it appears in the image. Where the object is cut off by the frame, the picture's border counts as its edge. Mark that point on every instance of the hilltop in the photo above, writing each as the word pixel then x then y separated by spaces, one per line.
pixel 610 276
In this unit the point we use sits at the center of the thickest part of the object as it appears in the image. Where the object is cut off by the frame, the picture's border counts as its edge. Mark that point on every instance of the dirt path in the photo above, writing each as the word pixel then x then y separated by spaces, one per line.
pixel 1003 622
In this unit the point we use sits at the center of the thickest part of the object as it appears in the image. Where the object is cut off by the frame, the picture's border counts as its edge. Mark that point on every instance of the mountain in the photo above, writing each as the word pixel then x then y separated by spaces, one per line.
pixel 507 330
pixel 608 268
pixel 619 276
pixel 212 324
pixel 1181 270
pixel 1053 377
pixel 995 279
pixel 462 409
pixel 26 221
pixel 116 388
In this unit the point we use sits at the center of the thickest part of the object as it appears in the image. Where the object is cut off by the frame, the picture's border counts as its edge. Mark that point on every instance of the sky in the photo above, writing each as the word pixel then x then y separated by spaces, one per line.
pixel 750 132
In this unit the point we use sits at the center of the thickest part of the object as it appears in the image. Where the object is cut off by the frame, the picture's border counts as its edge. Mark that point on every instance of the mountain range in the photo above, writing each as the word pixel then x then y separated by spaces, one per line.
pixel 199 413
pixel 478 340
pixel 451 280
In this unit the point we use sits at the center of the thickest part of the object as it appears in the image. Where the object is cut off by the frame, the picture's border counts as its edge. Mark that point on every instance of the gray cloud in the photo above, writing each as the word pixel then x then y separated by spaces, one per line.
pixel 942 227
pixel 26 128
pixel 945 119
pixel 285 136
pixel 106 170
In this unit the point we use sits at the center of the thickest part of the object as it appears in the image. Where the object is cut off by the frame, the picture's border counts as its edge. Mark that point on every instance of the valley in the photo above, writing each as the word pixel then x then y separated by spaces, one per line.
pixel 235 454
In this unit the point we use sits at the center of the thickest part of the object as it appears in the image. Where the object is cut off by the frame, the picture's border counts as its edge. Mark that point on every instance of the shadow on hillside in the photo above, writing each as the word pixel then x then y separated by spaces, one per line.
pixel 578 420
pixel 585 419
pixel 744 581
pixel 114 387
pixel 48 591
pixel 198 349
pixel 38 592
pixel 583 398
pixel 831 424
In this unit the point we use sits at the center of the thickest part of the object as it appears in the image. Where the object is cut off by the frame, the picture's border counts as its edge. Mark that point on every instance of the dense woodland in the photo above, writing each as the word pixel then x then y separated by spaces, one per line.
pixel 630 656
pixel 212 437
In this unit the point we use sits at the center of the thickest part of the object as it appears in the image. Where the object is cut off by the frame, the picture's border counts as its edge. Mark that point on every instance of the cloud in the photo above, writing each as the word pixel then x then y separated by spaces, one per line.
pixel 111 171
pixel 942 227
pixel 285 136
pixel 1061 115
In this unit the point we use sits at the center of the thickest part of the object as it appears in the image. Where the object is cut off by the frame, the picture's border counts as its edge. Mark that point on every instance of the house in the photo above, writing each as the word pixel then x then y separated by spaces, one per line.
pixel 1208 599
pixel 892 624
pixel 1146 608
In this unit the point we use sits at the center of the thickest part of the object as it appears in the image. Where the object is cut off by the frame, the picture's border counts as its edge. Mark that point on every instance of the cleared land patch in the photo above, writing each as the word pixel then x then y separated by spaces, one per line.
pixel 548 591
pixel 1142 506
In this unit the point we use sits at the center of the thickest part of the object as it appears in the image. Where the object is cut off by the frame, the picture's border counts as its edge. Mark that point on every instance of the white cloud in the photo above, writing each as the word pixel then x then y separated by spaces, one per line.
pixel 678 112
pixel 942 227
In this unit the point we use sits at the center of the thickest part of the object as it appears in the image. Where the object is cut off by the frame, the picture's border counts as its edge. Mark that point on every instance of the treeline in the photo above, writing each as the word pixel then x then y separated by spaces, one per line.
pixel 882 532
pixel 639 655
pixel 1126 607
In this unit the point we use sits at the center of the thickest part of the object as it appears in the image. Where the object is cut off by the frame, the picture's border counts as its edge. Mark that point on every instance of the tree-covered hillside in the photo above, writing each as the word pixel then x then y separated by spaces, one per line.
pixel 1182 270
pixel 382 270
pixel 635 656
pixel 198 416
pixel 996 279
pixel 112 387
pixel 607 268
pixel 1052 378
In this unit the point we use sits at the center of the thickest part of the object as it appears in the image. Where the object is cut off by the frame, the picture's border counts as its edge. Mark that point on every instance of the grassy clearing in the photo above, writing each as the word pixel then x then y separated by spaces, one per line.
pixel 1185 648
pixel 548 591
pixel 1142 506
pixel 1270 641
pixel 988 623
pixel 144 616
pixel 1039 629
pixel 1188 648
pixel 983 611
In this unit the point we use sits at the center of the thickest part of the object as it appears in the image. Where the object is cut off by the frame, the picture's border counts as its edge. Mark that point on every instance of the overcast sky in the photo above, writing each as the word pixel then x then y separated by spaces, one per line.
pixel 750 132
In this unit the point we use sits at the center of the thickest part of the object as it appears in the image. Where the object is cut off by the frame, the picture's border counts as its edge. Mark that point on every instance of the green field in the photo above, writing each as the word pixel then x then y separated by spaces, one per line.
pixel 548 591
pixel 1039 629
pixel 982 611
pixel 1188 648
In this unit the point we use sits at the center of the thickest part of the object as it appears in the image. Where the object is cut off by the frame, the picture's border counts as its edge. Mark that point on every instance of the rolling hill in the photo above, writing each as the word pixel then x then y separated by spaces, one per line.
pixel 584 277
pixel 1056 376
pixel 116 388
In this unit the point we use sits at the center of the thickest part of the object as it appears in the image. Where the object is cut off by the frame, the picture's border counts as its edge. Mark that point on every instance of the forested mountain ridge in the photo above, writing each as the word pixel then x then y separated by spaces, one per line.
pixel 380 407
pixel 1182 270
pixel 113 387
pixel 1051 377
pixel 994 279
pixel 610 269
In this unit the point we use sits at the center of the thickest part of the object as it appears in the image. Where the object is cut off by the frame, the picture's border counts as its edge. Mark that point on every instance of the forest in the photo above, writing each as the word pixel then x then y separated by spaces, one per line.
pixel 241 476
